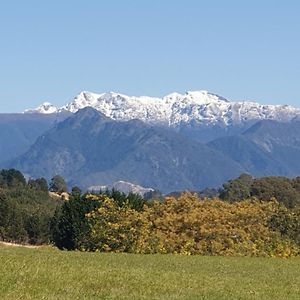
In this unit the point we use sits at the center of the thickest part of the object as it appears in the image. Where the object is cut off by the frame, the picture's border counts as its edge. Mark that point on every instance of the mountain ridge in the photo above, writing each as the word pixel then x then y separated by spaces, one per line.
pixel 266 148
pixel 90 149
pixel 175 109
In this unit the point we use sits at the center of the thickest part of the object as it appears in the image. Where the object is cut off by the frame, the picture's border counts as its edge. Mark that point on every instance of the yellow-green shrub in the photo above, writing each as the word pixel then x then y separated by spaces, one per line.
pixel 114 228
pixel 213 227
pixel 188 225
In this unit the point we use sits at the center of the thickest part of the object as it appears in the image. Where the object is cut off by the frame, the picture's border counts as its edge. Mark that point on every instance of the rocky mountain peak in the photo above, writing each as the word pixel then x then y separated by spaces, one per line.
pixel 174 109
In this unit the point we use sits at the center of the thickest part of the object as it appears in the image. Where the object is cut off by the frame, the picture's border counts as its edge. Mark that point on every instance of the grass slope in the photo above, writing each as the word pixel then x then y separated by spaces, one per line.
pixel 47 273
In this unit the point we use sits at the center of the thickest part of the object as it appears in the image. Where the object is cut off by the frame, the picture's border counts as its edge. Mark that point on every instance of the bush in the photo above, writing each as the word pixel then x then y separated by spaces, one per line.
pixel 11 179
pixel 287 222
pixel 58 184
pixel 189 226
pixel 131 200
pixel 113 227
pixel 285 190
pixel 25 215
pixel 69 225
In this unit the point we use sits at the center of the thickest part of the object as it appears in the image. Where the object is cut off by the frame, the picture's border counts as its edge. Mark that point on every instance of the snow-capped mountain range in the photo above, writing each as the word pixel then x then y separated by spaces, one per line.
pixel 174 109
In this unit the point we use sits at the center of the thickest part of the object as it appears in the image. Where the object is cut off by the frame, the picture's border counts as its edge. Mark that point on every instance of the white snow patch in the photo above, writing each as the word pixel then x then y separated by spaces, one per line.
pixel 175 108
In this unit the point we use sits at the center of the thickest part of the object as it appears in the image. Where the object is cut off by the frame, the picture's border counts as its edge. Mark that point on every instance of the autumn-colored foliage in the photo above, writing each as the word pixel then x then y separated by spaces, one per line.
pixel 188 225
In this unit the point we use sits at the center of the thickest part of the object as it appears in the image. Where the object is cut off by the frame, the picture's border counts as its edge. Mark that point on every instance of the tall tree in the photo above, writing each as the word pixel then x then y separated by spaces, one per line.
pixel 58 184
pixel 237 189
pixel 38 184
pixel 12 178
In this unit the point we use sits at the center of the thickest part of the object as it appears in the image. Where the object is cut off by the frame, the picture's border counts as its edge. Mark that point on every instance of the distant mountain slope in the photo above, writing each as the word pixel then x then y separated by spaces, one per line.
pixel 19 131
pixel 90 149
pixel 249 155
pixel 200 107
pixel 266 148
pixel 122 186
pixel 279 140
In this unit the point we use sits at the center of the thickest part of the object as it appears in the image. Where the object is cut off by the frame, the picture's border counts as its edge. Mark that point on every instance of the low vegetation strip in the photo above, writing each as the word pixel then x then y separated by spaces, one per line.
pixel 46 273
pixel 186 225
pixel 238 223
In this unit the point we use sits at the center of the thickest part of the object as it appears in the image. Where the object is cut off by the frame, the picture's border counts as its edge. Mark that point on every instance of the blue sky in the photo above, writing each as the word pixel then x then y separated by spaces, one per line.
pixel 52 50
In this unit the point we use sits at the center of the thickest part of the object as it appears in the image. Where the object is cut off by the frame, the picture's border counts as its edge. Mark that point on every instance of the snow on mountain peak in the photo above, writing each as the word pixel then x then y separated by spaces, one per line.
pixel 44 108
pixel 175 108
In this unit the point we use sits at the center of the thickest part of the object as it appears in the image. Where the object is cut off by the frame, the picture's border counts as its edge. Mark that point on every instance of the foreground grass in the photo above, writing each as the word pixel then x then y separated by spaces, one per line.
pixel 47 273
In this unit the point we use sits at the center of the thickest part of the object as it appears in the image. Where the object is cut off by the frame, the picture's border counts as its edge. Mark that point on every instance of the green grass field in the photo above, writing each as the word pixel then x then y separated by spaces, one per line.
pixel 47 273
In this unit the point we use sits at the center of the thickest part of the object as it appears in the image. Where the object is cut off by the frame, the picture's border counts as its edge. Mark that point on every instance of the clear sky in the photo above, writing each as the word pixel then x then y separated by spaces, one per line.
pixel 51 50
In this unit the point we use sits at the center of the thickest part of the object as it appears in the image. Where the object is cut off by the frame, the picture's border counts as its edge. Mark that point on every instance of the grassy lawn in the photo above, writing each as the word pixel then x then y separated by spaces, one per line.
pixel 47 273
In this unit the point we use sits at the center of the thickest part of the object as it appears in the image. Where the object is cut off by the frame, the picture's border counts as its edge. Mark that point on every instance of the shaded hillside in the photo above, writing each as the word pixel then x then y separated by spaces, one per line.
pixel 207 133
pixel 280 140
pixel 91 149
pixel 19 131
pixel 266 148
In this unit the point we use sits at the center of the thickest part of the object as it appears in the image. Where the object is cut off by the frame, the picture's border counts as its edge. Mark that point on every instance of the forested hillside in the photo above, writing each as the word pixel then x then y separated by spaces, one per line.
pixel 26 209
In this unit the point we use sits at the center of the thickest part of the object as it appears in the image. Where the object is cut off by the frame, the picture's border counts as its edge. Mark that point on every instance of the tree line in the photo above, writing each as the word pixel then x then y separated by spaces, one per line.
pixel 26 209
pixel 283 189
pixel 259 217
pixel 184 225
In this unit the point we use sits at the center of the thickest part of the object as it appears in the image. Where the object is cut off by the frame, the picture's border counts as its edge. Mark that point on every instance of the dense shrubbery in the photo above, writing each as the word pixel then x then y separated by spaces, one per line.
pixel 11 179
pixel 58 184
pixel 287 222
pixel 187 226
pixel 285 190
pixel 112 221
pixel 26 209
pixel 70 226
pixel 25 215
pixel 132 200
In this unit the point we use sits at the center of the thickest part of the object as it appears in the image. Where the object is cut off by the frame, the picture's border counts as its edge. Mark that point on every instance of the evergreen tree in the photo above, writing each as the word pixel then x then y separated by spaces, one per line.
pixel 237 189
pixel 69 225
pixel 12 178
pixel 58 184
pixel 76 192
pixel 38 184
